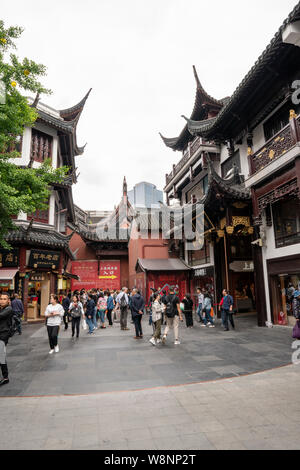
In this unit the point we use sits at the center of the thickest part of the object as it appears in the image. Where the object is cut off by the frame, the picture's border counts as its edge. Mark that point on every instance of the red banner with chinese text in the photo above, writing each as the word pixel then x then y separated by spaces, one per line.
pixel 107 278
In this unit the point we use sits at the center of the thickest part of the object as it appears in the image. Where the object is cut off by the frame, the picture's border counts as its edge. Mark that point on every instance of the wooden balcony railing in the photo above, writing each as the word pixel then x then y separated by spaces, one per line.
pixel 279 144
pixel 187 155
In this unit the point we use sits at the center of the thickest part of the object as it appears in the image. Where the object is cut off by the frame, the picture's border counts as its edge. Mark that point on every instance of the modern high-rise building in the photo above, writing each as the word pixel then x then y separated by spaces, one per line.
pixel 145 195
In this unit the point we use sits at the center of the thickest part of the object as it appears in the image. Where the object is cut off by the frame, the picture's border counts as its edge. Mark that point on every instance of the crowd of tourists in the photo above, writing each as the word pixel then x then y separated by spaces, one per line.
pixel 97 309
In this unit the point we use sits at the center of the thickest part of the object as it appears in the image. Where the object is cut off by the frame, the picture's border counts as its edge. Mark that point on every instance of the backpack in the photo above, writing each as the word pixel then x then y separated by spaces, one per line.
pixel 76 312
pixel 123 302
pixel 170 309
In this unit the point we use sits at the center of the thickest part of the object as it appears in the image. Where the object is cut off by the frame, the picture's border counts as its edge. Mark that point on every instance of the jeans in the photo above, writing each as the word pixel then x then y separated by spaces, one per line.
pixel 208 318
pixel 138 325
pixel 228 316
pixel 75 324
pixel 102 316
pixel 95 318
pixel 199 312
pixel 90 323
pixel 109 317
pixel 53 335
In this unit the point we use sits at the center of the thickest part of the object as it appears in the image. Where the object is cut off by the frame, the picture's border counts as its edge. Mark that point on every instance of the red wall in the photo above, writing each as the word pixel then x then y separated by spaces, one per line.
pixel 144 249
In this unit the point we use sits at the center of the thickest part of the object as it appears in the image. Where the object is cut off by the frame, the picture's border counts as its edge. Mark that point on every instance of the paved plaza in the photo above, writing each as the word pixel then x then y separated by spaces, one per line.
pixel 110 391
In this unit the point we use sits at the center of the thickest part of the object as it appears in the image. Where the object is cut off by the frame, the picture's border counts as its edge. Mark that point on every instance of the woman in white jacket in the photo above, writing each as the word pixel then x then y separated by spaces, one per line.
pixel 54 314
pixel 157 309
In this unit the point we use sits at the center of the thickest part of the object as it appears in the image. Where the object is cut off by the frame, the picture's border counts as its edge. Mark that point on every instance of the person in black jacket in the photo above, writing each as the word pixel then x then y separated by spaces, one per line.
pixel 137 308
pixel 6 314
pixel 188 310
pixel 90 314
pixel 66 304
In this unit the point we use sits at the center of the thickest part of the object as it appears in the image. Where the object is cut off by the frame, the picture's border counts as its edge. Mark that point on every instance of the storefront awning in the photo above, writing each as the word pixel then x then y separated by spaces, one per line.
pixel 71 276
pixel 7 274
pixel 171 264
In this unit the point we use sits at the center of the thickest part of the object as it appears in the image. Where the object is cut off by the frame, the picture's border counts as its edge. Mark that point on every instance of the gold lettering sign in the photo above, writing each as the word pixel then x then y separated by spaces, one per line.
pixel 241 221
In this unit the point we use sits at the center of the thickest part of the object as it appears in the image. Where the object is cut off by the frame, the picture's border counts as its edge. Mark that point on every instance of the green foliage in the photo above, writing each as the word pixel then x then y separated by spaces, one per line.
pixel 21 189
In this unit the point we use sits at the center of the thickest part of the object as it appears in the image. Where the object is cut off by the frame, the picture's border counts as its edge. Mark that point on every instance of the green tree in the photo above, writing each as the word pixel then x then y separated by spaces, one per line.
pixel 21 189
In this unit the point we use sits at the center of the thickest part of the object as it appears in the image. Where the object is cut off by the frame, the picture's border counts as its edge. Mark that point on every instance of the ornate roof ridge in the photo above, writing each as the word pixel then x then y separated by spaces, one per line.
pixel 74 111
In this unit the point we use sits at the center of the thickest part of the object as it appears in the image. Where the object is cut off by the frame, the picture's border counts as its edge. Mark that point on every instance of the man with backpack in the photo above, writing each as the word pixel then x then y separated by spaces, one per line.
pixel 6 314
pixel 122 301
pixel 173 315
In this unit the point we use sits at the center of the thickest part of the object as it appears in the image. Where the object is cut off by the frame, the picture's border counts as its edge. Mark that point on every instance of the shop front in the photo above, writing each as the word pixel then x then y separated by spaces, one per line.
pixel 161 274
pixel 241 280
pixel 284 279
pixel 40 280
pixel 204 279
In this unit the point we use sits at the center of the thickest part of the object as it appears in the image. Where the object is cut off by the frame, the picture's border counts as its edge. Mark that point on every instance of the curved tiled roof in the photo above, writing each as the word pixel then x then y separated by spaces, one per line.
pixel 250 81
pixel 202 100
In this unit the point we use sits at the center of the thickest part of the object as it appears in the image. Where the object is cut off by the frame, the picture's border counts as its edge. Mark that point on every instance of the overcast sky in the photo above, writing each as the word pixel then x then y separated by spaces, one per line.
pixel 137 55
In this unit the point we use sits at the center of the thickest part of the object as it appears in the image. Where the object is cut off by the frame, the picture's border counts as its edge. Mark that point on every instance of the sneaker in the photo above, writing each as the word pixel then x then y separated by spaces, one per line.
pixel 211 326
pixel 177 341
pixel 51 351
pixel 152 341
pixel 56 349
pixel 4 381
pixel 203 326
pixel 158 341
pixel 164 339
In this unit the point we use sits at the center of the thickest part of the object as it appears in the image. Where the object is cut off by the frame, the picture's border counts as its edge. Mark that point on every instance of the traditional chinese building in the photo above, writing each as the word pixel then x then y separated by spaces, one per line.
pixel 258 131
pixel 37 264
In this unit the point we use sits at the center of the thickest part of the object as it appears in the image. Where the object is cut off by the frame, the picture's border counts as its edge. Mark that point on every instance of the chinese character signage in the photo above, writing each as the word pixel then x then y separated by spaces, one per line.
pixel 9 258
pixel 44 259
pixel 103 275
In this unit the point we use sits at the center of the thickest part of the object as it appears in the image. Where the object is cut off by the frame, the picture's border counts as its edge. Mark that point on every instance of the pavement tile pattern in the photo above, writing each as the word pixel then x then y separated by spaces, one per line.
pixel 111 392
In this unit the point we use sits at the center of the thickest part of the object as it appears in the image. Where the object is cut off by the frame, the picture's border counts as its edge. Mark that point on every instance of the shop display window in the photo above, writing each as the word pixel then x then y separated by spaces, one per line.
pixel 282 294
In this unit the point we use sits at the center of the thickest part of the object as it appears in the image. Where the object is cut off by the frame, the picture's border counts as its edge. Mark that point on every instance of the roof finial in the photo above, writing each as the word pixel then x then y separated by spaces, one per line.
pixel 124 187
pixel 196 77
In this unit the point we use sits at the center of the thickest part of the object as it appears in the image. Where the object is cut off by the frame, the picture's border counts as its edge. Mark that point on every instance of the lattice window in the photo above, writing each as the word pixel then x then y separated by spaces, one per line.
pixel 41 146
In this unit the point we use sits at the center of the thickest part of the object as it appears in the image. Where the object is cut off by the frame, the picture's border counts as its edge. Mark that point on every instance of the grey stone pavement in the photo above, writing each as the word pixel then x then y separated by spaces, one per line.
pixel 111 392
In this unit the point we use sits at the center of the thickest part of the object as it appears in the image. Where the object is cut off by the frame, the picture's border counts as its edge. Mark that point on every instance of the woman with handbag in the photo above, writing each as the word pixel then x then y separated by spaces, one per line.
pixel 76 311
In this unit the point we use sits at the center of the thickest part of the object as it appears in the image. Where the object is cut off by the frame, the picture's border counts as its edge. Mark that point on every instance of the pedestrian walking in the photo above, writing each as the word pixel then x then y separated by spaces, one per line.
pixel 164 302
pixel 101 309
pixel 137 305
pixel 207 307
pixel 76 312
pixel 173 314
pixel 296 304
pixel 90 314
pixel 54 314
pixel 200 304
pixel 188 310
pixel 227 310
pixel 6 314
pixel 18 312
pixel 66 305
pixel 123 303
pixel 157 312
pixel 110 307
